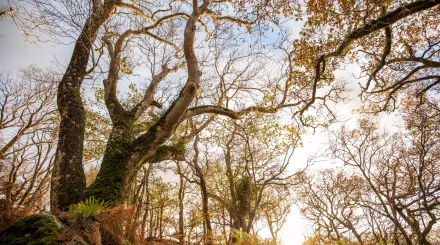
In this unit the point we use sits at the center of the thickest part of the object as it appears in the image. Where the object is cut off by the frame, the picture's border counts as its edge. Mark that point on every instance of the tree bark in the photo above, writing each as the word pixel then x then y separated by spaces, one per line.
pixel 109 183
pixel 68 174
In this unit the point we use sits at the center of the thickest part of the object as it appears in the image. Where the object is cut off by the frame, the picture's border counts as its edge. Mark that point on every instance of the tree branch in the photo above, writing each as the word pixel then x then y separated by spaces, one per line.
pixel 374 25
pixel 195 111
pixel 168 152
pixel 148 99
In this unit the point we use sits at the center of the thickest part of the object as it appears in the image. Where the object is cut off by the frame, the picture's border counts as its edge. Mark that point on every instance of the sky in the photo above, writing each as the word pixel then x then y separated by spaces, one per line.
pixel 16 53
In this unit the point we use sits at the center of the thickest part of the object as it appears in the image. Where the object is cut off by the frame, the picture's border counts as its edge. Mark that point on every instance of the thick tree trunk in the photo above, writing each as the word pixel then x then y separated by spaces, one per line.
pixel 68 174
pixel 110 181
pixel 125 154
pixel 122 162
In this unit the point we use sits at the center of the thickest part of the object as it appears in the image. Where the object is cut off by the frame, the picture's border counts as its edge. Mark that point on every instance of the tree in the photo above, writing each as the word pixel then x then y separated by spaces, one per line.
pixel 277 211
pixel 331 201
pixel 11 11
pixel 204 193
pixel 28 131
pixel 68 168
pixel 182 187
pixel 331 36
pixel 71 137
pixel 395 200
pixel 99 25
pixel 175 26
pixel 255 181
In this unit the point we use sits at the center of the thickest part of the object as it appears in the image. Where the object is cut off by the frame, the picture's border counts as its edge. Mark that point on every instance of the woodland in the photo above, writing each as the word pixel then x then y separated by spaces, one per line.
pixel 179 122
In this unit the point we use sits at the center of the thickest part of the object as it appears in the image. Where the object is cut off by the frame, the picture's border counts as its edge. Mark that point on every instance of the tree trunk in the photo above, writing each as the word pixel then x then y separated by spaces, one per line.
pixel 124 154
pixel 68 175
pixel 206 212
pixel 181 208
pixel 204 192
pixel 110 181
pixel 160 222
pixel 124 157
pixel 151 223
pixel 147 203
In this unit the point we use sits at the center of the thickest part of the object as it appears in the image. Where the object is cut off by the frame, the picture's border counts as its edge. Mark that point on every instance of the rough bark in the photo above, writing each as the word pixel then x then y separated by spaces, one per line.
pixel 68 174
pixel 110 180
pixel 120 165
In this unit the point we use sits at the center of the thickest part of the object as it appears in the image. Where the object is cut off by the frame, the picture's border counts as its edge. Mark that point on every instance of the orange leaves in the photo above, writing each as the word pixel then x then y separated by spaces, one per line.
pixel 120 224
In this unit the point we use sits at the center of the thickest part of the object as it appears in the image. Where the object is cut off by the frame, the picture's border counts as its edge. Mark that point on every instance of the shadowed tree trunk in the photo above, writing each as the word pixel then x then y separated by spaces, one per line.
pixel 68 174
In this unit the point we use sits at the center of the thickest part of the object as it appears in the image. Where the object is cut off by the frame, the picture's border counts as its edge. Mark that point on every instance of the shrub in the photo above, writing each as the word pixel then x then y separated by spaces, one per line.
pixel 118 225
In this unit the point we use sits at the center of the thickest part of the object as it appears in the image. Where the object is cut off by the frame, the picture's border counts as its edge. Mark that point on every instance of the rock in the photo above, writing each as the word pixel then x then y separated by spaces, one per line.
pixel 37 229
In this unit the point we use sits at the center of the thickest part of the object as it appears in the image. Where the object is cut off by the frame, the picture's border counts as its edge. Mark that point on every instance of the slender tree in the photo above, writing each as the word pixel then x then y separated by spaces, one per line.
pixel 28 133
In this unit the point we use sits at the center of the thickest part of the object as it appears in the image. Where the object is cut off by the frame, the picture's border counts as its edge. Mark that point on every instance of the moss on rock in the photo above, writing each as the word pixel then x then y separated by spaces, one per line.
pixel 37 229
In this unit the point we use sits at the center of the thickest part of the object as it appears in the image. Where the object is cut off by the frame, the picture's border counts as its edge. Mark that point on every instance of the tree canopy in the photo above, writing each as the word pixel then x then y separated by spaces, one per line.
pixel 224 91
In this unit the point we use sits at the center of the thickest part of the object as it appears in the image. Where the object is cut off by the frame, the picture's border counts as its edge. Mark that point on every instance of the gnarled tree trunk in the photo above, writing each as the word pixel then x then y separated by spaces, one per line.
pixel 125 153
pixel 68 174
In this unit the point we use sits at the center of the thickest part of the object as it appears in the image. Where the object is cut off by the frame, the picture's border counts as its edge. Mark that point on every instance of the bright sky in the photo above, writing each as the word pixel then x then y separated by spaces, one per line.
pixel 16 53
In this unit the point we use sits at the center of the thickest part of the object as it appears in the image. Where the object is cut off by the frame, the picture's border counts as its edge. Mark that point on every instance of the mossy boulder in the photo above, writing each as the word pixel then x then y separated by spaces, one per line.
pixel 37 229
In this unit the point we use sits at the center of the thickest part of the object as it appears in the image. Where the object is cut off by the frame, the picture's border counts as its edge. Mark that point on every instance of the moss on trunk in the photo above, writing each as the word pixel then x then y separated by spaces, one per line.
pixel 114 167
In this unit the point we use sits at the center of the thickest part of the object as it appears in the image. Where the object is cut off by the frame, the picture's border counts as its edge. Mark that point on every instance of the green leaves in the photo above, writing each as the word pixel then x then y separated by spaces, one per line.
pixel 88 209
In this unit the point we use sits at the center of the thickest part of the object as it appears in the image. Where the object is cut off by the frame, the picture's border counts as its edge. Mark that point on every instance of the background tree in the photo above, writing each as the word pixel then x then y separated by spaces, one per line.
pixel 28 132
pixel 343 34
pixel 331 202
pixel 256 154
pixel 397 196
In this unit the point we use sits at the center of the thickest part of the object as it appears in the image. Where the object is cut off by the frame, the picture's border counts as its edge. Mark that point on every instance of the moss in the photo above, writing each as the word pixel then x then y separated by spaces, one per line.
pixel 32 230
pixel 167 152
pixel 108 185
pixel 244 194
pixel 180 148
